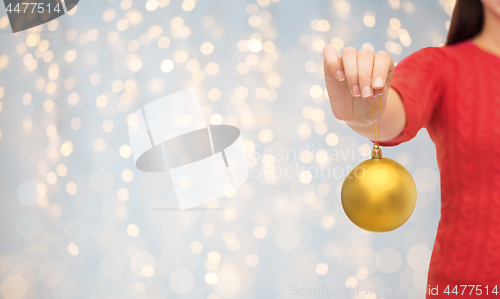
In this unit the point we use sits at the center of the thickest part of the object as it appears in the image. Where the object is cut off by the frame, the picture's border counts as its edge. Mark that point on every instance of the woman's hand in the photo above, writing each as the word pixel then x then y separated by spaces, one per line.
pixel 353 79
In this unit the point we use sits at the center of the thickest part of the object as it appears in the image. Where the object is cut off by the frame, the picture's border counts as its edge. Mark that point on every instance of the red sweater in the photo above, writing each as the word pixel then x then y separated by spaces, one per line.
pixel 454 92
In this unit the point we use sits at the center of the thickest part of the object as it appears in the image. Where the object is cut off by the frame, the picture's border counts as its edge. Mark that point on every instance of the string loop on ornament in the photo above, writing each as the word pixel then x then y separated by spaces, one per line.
pixel 376 135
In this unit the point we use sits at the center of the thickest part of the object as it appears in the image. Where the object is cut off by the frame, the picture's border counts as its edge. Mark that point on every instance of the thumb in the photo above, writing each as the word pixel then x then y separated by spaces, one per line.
pixel 333 64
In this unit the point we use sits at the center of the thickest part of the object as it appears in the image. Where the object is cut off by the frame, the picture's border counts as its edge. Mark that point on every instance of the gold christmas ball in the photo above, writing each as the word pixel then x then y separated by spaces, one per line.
pixel 379 195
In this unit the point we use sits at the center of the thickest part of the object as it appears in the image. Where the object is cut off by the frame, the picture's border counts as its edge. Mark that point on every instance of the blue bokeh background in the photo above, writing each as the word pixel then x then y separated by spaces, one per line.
pixel 96 227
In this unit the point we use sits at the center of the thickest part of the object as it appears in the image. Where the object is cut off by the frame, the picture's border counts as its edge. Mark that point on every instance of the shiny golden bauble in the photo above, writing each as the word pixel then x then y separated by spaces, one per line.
pixel 379 195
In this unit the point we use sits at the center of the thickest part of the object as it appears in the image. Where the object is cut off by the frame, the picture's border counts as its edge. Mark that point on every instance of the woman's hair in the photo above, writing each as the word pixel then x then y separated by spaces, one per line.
pixel 466 21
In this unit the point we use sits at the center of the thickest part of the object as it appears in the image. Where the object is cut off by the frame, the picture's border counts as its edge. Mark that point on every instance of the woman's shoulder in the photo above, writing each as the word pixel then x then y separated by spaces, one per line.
pixel 459 50
pixel 441 56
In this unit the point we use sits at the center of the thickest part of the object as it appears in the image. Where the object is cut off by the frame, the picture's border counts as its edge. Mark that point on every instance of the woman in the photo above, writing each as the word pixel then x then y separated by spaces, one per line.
pixel 454 92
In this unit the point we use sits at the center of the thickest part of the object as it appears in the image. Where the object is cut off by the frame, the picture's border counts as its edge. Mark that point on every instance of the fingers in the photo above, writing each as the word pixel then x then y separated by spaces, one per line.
pixel 350 61
pixel 367 73
pixel 333 63
pixel 382 66
pixel 365 68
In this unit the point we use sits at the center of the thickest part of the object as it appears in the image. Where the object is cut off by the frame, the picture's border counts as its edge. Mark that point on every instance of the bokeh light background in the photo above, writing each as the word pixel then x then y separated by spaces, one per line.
pixel 77 220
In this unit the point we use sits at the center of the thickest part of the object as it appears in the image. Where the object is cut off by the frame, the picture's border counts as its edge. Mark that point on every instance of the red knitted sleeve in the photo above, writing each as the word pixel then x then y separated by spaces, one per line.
pixel 418 80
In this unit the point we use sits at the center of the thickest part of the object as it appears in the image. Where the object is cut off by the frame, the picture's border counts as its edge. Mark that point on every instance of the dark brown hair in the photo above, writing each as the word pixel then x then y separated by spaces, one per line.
pixel 466 21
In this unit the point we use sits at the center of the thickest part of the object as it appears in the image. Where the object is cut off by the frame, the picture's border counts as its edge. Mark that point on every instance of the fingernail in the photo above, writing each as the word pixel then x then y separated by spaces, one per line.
pixel 356 91
pixel 379 82
pixel 367 91
pixel 377 94
pixel 340 75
